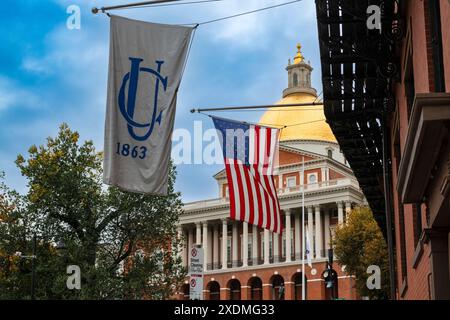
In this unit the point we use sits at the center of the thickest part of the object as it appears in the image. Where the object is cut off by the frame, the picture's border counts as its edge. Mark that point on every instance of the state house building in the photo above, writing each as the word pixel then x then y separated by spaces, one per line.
pixel 243 262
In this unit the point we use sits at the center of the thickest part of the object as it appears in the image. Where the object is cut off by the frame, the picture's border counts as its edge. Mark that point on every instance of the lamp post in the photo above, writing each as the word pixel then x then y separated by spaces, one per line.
pixel 330 276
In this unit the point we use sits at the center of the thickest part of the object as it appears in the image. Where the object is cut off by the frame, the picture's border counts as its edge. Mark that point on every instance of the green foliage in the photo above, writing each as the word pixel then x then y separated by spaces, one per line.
pixel 101 228
pixel 358 244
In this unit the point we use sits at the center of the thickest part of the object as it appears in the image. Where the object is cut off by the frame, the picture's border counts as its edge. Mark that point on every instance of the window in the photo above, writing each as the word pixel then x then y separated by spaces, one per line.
pixel 283 242
pixel 291 182
pixel 262 244
pixel 312 178
pixel 227 192
pixel 295 80
pixel 249 245
pixel 229 249
pixel 330 153
pixel 334 213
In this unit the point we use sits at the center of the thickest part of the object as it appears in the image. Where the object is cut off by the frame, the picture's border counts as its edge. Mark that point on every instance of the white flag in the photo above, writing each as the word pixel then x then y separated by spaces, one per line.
pixel 145 66
pixel 308 247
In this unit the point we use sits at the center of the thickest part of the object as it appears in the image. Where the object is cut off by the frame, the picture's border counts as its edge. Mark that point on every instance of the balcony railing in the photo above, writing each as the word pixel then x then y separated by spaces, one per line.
pixel 319 185
pixel 287 190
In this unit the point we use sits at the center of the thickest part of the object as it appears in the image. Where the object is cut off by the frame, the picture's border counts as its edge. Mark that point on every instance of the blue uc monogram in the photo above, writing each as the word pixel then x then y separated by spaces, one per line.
pixel 127 108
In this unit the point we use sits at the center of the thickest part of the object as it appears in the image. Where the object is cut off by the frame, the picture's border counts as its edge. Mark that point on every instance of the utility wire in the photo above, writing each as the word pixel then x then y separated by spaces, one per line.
pixel 248 12
pixel 284 110
pixel 268 124
pixel 169 4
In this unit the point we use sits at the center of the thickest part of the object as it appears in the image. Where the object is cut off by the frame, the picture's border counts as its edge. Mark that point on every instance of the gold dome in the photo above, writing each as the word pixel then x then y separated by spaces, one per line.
pixel 303 123
pixel 313 117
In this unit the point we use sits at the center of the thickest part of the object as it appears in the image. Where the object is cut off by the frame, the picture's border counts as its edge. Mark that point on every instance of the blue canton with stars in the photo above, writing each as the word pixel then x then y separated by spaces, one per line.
pixel 234 139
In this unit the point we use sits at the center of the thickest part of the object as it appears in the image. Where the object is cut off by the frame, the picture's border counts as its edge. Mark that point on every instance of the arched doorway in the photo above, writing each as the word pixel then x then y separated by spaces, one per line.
pixel 297 280
pixel 235 289
pixel 255 287
pixel 277 282
pixel 214 290
pixel 185 291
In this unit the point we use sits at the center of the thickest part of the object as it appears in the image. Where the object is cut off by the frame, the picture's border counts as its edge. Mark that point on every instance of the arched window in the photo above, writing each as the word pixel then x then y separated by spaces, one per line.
pixel 214 290
pixel 330 153
pixel 295 80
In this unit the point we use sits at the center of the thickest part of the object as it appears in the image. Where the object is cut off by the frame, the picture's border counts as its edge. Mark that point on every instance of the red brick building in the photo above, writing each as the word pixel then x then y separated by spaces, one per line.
pixel 244 262
pixel 387 99
pixel 420 148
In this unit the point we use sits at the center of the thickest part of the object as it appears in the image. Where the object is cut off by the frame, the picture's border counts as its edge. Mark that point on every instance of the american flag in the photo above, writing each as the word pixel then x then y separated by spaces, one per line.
pixel 249 153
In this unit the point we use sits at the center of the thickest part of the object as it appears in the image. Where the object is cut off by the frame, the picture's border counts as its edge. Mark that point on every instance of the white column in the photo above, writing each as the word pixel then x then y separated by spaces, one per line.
pixel 266 246
pixel 205 245
pixel 210 248
pixel 348 208
pixel 288 234
pixel 340 213
pixel 216 247
pixel 245 244
pixel 276 246
pixel 327 231
pixel 318 226
pixel 255 245
pixel 310 230
pixel 297 244
pixel 234 241
pixel 224 243
pixel 198 233
pixel 190 243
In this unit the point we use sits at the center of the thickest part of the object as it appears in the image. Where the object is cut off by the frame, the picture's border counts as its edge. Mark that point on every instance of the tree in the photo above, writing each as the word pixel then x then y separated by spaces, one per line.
pixel 359 244
pixel 102 228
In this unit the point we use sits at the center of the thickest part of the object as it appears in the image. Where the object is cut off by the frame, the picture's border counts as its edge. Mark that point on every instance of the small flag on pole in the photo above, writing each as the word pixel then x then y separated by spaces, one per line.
pixel 308 247
pixel 250 152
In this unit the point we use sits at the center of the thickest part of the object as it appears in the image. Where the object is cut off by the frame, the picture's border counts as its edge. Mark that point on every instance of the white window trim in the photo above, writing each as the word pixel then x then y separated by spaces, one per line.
pixel 310 175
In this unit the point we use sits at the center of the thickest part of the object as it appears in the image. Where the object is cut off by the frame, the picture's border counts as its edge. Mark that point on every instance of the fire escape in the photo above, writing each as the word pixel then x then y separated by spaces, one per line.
pixel 359 67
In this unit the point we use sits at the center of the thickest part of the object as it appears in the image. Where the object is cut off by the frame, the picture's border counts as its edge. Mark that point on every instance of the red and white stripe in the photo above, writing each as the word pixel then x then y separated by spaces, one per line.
pixel 253 196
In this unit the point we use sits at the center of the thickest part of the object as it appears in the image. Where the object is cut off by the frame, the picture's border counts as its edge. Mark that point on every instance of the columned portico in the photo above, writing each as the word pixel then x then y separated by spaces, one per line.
pixel 234 241
pixel 327 231
pixel 255 245
pixel 318 233
pixel 310 230
pixel 224 243
pixel 205 245
pixel 340 213
pixel 266 246
pixel 287 213
pixel 276 247
pixel 198 233
pixel 245 244
pixel 297 232
pixel 215 263
pixel 190 243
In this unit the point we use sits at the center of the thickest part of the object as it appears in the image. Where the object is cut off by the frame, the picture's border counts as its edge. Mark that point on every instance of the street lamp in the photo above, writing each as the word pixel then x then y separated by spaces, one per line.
pixel 330 276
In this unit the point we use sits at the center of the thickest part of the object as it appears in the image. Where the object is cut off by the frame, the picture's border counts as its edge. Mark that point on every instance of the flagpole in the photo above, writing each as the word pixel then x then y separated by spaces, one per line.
pixel 96 10
pixel 303 230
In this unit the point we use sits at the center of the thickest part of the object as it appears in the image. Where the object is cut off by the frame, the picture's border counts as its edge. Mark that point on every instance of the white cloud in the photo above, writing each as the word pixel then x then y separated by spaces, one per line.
pixel 13 95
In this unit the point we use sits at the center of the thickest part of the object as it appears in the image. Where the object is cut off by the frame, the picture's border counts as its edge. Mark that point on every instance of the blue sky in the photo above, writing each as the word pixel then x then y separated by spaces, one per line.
pixel 50 74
